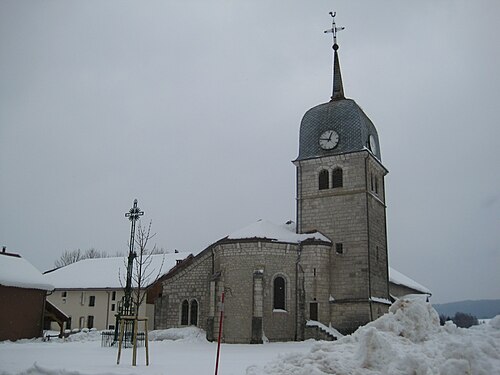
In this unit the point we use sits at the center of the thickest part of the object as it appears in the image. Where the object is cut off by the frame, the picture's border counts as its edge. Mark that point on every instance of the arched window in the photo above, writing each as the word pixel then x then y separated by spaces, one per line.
pixel 185 313
pixel 193 318
pixel 279 293
pixel 324 179
pixel 337 178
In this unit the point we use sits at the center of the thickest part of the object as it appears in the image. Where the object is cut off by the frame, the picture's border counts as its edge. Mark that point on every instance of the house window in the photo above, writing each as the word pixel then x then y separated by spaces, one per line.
pixel 92 301
pixel 68 323
pixel 64 294
pixel 185 313
pixel 112 307
pixel 194 313
pixel 111 326
pixel 81 322
pixel 90 321
pixel 113 296
pixel 339 248
pixel 279 293
pixel 377 254
pixel 323 179
pixel 337 178
pixel 313 311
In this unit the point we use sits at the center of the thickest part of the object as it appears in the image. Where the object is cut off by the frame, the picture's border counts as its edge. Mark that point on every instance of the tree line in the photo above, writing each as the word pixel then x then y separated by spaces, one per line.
pixel 72 256
pixel 460 319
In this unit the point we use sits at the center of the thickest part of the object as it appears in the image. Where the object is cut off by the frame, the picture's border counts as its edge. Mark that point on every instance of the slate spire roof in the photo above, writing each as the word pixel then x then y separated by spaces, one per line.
pixel 340 114
pixel 338 87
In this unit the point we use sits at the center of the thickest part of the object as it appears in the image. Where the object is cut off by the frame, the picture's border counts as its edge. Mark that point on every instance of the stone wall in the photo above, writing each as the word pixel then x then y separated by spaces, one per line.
pixel 190 283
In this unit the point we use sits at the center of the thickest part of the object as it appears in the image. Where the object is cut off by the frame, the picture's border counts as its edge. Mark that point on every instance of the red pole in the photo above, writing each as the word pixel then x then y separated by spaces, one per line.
pixel 220 333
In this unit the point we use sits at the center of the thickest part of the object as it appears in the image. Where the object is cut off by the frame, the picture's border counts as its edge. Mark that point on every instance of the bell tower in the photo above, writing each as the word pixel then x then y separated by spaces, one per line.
pixel 341 193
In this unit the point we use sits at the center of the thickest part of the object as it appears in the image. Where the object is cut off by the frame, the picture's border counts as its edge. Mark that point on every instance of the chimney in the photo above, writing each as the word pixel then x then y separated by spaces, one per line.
pixel 4 249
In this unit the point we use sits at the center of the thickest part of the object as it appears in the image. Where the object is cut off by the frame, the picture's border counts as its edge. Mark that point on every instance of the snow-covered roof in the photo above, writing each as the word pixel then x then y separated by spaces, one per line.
pixel 397 277
pixel 105 273
pixel 17 272
pixel 264 229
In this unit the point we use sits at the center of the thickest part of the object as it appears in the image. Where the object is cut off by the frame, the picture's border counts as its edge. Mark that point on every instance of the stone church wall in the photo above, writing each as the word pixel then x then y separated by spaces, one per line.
pixel 377 224
pixel 315 268
pixel 239 263
pixel 191 283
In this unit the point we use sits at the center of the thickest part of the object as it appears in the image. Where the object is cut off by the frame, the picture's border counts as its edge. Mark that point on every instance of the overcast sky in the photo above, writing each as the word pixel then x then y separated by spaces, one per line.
pixel 194 107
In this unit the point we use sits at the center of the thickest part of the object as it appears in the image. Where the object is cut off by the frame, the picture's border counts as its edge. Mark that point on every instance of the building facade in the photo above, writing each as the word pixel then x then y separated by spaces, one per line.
pixel 22 294
pixel 332 268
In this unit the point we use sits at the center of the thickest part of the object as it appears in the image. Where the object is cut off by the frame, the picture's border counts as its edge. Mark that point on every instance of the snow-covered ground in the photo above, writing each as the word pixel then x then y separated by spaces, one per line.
pixel 406 341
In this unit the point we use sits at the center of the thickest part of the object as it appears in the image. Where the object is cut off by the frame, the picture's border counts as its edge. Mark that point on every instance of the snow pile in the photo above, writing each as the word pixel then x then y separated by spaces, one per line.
pixel 85 335
pixel 187 334
pixel 407 340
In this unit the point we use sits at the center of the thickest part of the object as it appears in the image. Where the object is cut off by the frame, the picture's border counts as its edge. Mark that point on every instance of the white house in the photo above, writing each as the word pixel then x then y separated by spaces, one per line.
pixel 90 290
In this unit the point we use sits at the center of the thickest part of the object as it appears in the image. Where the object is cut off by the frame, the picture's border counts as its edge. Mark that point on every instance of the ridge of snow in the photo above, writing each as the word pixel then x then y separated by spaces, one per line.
pixel 265 229
pixel 18 272
pixel 380 300
pixel 397 277
pixel 105 273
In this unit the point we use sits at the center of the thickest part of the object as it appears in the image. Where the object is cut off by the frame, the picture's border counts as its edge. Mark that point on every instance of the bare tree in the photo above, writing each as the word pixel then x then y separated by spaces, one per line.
pixel 145 273
pixel 68 257
pixel 73 256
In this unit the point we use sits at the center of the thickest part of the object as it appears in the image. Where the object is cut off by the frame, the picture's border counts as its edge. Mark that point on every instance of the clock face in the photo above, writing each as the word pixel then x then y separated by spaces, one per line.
pixel 328 140
pixel 373 144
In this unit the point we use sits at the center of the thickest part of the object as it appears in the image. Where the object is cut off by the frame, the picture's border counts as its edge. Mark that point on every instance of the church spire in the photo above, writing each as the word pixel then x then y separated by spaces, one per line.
pixel 338 88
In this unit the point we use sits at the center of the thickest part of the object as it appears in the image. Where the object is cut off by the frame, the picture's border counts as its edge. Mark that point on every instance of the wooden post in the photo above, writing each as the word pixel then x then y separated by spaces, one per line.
pixel 134 338
pixel 120 341
pixel 146 342
pixel 136 321
pixel 220 333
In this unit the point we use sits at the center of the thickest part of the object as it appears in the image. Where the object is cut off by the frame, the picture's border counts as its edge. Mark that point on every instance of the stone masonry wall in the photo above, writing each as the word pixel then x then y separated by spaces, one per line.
pixel 238 261
pixel 190 283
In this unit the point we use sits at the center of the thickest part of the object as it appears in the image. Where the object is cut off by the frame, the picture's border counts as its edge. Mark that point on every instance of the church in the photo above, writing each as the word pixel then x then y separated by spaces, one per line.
pixel 328 269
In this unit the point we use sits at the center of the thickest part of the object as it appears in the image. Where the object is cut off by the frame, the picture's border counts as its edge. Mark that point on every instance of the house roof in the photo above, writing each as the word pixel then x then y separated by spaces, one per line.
pixel 16 271
pixel 398 278
pixel 263 229
pixel 107 273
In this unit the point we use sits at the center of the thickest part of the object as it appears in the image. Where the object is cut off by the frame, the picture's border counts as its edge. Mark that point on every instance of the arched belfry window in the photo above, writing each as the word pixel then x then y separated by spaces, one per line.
pixel 185 313
pixel 324 179
pixel 279 293
pixel 337 178
pixel 193 319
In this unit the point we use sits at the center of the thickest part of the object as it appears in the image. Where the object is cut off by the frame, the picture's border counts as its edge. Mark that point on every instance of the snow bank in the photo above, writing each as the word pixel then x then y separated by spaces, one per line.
pixel 407 340
pixel 188 334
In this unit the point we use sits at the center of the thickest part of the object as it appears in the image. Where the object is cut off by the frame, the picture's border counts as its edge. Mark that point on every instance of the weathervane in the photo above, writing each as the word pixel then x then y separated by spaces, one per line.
pixel 334 30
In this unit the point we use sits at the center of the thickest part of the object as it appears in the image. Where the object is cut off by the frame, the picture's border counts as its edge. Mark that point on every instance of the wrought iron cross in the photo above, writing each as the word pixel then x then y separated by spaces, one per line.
pixel 334 29
pixel 133 215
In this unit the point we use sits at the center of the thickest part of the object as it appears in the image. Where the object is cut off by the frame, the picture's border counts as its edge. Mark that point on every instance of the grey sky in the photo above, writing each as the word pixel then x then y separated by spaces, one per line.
pixel 193 108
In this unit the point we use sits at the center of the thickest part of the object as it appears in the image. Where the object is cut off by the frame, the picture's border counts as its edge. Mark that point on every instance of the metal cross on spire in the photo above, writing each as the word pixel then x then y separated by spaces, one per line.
pixel 334 30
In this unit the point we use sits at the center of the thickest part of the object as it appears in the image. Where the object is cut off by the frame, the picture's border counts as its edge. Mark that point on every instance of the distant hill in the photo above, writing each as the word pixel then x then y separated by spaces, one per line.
pixel 481 309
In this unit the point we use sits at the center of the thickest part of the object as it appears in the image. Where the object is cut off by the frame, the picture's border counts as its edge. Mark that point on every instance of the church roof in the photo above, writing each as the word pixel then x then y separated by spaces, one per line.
pixel 264 229
pixel 106 273
pixel 16 271
pixel 398 278
pixel 343 116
